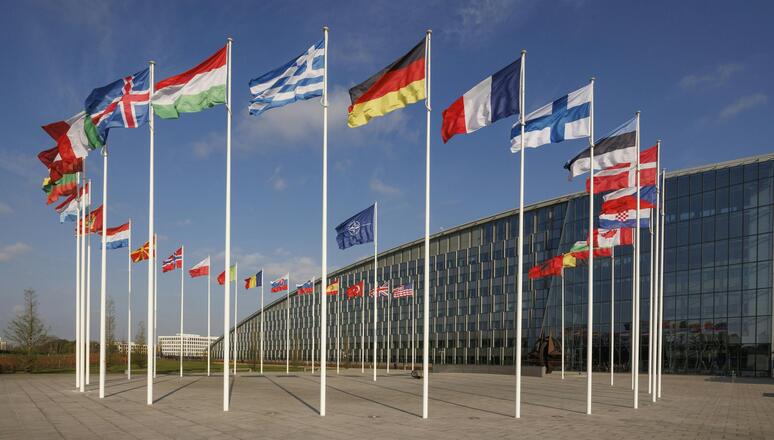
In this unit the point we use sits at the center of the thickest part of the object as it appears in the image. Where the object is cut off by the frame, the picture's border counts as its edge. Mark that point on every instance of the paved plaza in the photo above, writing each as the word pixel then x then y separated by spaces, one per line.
pixel 461 406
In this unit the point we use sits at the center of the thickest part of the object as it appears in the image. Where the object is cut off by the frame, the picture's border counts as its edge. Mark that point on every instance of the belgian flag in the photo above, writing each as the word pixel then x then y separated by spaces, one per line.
pixel 396 86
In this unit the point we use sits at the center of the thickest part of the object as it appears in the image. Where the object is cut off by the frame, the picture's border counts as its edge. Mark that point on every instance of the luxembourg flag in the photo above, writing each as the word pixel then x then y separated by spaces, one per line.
pixel 624 219
pixel 117 237
pixel 492 99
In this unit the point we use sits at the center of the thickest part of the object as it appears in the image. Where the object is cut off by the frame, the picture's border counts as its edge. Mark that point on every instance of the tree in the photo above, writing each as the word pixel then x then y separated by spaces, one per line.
pixel 110 329
pixel 27 330
pixel 139 340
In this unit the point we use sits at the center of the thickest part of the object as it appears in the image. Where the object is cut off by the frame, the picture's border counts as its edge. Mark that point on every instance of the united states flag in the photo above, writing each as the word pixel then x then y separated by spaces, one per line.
pixel 403 290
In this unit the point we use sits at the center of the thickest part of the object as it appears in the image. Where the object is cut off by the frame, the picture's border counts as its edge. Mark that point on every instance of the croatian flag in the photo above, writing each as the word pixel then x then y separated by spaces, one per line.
pixel 280 284
pixel 625 219
pixel 492 99
pixel 569 117
pixel 117 237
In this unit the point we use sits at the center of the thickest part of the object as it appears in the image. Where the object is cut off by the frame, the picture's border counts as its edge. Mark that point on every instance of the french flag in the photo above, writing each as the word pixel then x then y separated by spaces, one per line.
pixel 117 237
pixel 492 99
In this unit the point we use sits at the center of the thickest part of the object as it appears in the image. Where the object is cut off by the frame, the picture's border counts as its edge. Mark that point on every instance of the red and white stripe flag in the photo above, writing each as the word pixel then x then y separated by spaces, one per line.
pixel 624 175
pixel 201 268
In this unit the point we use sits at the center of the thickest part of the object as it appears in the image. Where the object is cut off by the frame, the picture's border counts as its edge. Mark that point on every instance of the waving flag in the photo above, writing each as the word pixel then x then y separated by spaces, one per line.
pixel 305 289
pixel 141 253
pixel 392 88
pixel 65 186
pixel 619 147
pixel 201 268
pixel 231 275
pixel 384 290
pixel 403 290
pixel 566 118
pixel 333 287
pixel 625 175
pixel 612 237
pixel 358 229
pixel 118 237
pixel 299 79
pixel 624 219
pixel 254 281
pixel 625 199
pixel 122 103
pixel 280 284
pixel 194 90
pixel 93 221
pixel 355 290
pixel 57 167
pixel 175 261
pixel 71 137
pixel 68 210
pixel 551 267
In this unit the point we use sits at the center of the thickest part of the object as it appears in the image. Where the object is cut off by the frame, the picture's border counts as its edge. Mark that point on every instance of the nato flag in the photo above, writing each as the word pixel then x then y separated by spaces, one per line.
pixel 358 229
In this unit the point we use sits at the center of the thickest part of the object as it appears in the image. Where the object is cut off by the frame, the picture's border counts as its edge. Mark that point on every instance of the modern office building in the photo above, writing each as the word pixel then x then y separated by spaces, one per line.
pixel 193 345
pixel 717 287
pixel 122 347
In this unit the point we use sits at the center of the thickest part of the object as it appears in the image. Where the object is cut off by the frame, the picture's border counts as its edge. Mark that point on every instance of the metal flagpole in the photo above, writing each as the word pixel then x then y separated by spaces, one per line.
pixel 654 280
pixel 426 316
pixel 261 320
pixel 311 329
pixel 84 293
pixel 209 316
pixel 129 312
pixel 182 302
pixel 520 251
pixel 227 285
pixel 287 330
pixel 338 329
pixel 650 310
pixel 661 276
pixel 590 304
pixel 151 259
pixel 612 313
pixel 236 306
pixel 389 326
pixel 78 220
pixel 362 330
pixel 155 304
pixel 103 280
pixel 562 323
pixel 376 281
pixel 636 278
pixel 324 280
pixel 412 315
pixel 87 300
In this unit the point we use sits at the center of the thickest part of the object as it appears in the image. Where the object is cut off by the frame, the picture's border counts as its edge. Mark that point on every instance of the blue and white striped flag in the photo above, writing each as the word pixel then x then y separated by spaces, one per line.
pixel 299 79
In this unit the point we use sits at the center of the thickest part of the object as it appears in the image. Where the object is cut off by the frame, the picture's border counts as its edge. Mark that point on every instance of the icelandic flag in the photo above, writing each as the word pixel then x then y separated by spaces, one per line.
pixel 358 229
pixel 280 284
pixel 569 117
pixel 299 79
pixel 117 237
pixel 492 99
pixel 122 103
pixel 624 219
pixel 625 199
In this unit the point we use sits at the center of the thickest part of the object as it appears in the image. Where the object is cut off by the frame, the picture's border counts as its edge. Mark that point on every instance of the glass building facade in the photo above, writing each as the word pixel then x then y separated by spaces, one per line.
pixel 717 288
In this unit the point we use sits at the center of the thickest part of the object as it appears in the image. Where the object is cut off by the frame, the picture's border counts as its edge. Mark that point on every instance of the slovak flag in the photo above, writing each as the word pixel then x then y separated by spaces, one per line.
pixel 494 98
pixel 175 261
pixel 280 284
pixel 117 237
pixel 306 288
pixel 625 219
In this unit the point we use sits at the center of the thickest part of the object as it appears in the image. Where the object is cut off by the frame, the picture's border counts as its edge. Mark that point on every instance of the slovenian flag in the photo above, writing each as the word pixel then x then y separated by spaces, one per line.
pixel 117 237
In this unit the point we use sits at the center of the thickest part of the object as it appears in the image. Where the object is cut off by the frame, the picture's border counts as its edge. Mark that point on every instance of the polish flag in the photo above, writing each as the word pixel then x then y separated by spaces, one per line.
pixel 492 99
pixel 201 268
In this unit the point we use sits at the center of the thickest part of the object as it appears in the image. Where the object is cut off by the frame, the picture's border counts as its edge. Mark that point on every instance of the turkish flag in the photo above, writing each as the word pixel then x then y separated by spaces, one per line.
pixel 355 290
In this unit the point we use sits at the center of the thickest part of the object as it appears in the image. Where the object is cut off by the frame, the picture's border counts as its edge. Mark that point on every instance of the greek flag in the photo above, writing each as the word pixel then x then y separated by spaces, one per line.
pixel 299 79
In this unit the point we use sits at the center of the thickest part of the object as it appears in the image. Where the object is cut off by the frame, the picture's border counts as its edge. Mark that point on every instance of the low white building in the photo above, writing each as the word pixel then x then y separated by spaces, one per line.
pixel 193 345
pixel 122 345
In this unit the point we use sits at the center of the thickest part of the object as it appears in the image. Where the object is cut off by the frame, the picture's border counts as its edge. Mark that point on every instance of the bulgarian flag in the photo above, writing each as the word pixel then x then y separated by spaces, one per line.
pixel 194 90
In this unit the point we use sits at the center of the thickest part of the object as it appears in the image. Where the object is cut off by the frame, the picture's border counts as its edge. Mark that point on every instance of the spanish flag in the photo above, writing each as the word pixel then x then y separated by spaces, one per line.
pixel 396 86
pixel 333 287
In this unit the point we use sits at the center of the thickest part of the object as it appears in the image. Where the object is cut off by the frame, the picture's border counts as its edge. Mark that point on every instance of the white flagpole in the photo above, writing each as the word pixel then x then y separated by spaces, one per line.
pixel 312 332
pixel 426 316
pixel 209 316
pixel 103 280
pixel 129 312
pixel 84 293
pixel 338 329
pixel 287 330
pixel 151 259
pixel 78 232
pixel 636 278
pixel 236 307
pixel 324 281
pixel 182 302
pixel 520 245
pixel 155 304
pixel 261 320
pixel 87 300
pixel 412 315
pixel 654 279
pixel 562 322
pixel 389 326
pixel 612 313
pixel 376 281
pixel 362 329
pixel 590 306
pixel 661 275
pixel 227 285
pixel 651 306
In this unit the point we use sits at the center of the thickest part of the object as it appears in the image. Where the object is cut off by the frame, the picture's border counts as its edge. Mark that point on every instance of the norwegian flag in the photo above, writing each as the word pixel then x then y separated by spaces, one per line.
pixel 175 261
pixel 403 290
pixel 625 175
pixel 122 103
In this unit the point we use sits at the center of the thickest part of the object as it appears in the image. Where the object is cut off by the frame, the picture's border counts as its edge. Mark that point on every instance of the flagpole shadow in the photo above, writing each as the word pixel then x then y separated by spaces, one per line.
pixel 315 410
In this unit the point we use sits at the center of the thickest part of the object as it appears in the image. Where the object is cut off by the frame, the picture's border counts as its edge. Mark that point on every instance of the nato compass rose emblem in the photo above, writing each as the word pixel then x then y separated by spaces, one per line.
pixel 354 228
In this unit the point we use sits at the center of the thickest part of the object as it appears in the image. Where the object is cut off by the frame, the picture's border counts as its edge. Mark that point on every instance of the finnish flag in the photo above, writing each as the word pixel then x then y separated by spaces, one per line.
pixel 569 117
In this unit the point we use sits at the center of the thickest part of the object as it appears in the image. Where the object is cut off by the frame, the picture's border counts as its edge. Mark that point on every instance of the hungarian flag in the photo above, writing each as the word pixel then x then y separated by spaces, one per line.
pixel 254 281
pixel 141 253
pixel 232 275
pixel 174 261
pixel 392 88
pixel 332 288
pixel 624 175
pixel 74 137
pixel 65 186
pixel 355 290
pixel 201 268
pixel 194 90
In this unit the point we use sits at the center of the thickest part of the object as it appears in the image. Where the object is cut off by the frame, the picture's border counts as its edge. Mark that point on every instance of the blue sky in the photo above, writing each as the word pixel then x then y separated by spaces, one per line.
pixel 699 72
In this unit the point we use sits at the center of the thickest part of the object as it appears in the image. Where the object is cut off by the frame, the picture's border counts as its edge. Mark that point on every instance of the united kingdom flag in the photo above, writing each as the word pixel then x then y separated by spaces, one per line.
pixel 122 103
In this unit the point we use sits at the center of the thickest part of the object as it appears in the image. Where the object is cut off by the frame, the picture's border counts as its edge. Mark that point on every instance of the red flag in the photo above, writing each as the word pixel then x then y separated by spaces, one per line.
pixel 174 261
pixel 93 222
pixel 624 175
pixel 355 290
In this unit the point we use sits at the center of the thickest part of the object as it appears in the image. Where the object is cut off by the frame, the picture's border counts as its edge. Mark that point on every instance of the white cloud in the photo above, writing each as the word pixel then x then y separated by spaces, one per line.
pixel 23 165
pixel 277 181
pixel 5 209
pixel 12 250
pixel 477 20
pixel 713 78
pixel 380 187
pixel 742 104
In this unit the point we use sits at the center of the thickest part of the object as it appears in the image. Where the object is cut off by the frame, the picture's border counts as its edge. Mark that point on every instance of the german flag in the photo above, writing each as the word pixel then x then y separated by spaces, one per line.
pixel 396 86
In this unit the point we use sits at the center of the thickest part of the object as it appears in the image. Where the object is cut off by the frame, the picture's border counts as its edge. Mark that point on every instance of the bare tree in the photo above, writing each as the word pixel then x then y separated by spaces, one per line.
pixel 139 341
pixel 110 329
pixel 27 330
